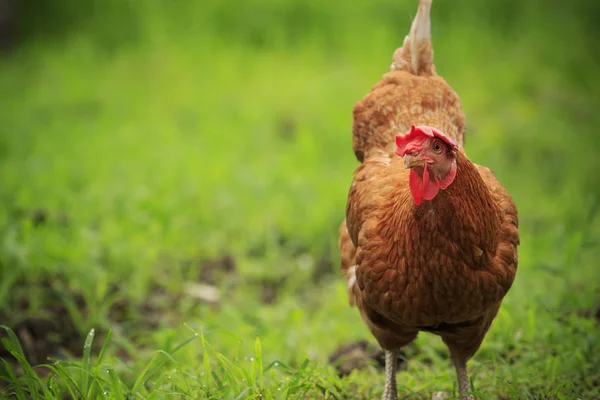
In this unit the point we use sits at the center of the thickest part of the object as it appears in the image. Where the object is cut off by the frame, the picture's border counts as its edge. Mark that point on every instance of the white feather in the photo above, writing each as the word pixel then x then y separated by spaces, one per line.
pixel 351 275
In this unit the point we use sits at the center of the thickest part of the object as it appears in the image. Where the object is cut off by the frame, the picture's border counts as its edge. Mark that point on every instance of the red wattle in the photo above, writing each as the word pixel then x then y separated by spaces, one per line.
pixel 416 186
pixel 423 187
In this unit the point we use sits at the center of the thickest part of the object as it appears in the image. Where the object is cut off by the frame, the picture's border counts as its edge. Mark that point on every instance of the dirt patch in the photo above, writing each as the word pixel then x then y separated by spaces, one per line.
pixel 8 25
pixel 213 271
pixel 49 332
pixel 155 310
pixel 41 216
pixel 287 127
pixel 593 313
pixel 510 354
pixel 323 268
pixel 206 278
pixel 270 288
pixel 359 355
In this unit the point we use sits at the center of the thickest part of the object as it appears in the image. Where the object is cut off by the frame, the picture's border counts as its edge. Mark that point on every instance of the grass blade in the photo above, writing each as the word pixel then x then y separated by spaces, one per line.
pixel 12 380
pixel 71 384
pixel 184 343
pixel 155 363
pixel 103 349
pixel 258 364
pixel 115 385
pixel 87 362
pixel 206 362
pixel 32 380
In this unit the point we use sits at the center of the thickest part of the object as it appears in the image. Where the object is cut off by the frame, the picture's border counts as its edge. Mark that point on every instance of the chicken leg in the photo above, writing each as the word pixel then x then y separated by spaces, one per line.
pixel 391 360
pixel 464 385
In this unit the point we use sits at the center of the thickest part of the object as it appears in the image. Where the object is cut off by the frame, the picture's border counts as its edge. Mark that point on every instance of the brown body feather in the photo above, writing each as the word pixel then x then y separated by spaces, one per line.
pixel 449 261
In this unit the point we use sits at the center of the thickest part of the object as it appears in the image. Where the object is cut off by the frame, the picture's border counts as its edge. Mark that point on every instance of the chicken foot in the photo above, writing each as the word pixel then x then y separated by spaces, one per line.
pixel 391 360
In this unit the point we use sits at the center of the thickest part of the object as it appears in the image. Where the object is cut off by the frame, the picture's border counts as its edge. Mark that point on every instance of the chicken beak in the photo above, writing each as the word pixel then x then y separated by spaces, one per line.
pixel 412 160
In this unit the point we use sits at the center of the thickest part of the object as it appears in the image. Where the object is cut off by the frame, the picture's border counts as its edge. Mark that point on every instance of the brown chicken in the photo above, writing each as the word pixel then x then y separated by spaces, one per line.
pixel 430 239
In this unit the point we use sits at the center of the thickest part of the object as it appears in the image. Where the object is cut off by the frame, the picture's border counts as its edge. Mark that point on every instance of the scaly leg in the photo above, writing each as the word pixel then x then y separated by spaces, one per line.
pixel 391 360
pixel 464 385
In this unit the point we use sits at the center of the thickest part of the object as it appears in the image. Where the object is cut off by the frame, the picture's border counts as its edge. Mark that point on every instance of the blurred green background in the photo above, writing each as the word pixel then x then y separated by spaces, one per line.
pixel 178 169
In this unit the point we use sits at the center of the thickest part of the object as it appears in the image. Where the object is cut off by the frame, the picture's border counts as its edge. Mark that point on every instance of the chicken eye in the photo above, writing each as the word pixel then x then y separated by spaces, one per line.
pixel 437 147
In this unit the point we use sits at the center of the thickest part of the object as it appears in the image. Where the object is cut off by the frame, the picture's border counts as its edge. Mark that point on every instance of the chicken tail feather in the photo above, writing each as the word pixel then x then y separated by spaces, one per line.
pixel 416 53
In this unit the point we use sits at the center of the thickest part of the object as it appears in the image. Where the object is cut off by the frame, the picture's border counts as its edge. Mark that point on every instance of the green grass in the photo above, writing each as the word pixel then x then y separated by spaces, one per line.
pixel 148 140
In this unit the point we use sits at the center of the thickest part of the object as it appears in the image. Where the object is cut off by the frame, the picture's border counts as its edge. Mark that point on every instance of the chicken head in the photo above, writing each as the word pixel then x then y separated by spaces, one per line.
pixel 431 157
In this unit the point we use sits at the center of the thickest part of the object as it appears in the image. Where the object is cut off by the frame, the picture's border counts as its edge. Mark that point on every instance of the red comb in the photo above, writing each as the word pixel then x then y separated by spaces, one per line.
pixel 421 132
